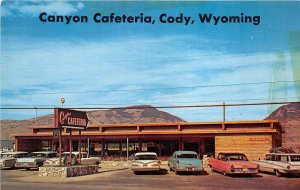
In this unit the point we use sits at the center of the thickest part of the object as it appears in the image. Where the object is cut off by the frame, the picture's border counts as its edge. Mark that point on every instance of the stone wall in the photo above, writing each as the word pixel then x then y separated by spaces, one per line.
pixel 70 171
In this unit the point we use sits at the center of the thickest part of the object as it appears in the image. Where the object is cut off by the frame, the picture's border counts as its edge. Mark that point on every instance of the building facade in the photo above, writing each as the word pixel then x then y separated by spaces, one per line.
pixel 254 138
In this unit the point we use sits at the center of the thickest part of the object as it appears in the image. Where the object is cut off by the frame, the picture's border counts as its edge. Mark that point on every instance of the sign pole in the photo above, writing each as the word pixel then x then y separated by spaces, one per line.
pixel 69 119
pixel 56 119
pixel 79 146
pixel 59 141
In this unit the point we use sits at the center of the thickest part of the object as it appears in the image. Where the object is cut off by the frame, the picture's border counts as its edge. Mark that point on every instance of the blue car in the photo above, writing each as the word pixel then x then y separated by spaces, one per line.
pixel 185 161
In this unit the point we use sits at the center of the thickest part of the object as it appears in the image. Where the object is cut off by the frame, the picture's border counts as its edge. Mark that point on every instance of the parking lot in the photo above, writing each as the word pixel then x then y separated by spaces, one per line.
pixel 123 178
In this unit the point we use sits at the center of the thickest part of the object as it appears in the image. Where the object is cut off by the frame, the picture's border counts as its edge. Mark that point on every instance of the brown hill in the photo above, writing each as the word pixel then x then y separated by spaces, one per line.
pixel 135 114
pixel 289 117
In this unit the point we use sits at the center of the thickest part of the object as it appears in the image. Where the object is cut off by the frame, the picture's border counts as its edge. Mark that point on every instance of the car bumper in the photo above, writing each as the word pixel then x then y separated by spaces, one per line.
pixel 189 169
pixel 142 169
pixel 292 172
pixel 26 165
pixel 244 171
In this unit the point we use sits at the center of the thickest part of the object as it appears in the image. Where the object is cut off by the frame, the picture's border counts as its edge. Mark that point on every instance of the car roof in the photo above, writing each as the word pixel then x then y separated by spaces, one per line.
pixel 185 152
pixel 285 154
pixel 145 153
pixel 18 152
pixel 75 152
pixel 228 153
pixel 44 152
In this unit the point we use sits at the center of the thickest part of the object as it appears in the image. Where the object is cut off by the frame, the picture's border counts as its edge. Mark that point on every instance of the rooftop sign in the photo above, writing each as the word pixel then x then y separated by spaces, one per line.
pixel 72 119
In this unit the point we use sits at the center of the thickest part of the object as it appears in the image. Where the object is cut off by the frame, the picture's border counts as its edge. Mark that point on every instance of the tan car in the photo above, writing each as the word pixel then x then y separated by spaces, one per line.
pixel 9 159
pixel 85 160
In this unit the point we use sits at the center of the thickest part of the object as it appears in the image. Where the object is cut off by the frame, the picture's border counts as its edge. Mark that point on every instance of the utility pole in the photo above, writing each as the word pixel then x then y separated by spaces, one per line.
pixel 224 112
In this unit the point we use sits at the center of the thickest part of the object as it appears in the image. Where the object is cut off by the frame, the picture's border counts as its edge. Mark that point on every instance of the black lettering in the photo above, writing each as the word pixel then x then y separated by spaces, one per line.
pixel 204 18
pixel 96 15
pixel 161 18
pixel 41 17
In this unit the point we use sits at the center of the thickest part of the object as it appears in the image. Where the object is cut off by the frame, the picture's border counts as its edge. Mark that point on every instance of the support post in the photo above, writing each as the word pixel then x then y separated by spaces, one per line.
pixel 159 148
pixel 224 111
pixel 140 145
pixel 70 146
pixel 88 142
pixel 121 148
pixel 103 148
pixel 127 148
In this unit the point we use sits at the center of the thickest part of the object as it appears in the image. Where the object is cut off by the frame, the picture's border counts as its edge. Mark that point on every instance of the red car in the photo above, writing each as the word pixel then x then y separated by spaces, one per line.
pixel 233 163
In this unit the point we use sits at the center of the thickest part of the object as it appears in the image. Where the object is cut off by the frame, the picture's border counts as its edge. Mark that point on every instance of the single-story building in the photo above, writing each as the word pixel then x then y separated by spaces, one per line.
pixel 254 138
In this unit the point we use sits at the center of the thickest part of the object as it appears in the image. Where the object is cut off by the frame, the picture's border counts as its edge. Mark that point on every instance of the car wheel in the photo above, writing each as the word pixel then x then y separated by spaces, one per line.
pixel 224 173
pixel 135 172
pixel 176 172
pixel 27 169
pixel 277 173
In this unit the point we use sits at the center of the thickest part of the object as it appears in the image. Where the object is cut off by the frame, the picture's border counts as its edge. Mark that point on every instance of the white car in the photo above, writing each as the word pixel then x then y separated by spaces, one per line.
pixel 35 160
pixel 9 159
pixel 280 163
pixel 145 161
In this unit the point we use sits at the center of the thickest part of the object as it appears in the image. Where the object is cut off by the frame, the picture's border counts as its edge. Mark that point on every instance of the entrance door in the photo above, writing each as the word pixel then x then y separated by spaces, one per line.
pixel 191 146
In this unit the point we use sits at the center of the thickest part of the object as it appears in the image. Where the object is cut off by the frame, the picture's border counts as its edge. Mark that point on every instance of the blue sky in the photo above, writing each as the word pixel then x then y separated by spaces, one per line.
pixel 110 65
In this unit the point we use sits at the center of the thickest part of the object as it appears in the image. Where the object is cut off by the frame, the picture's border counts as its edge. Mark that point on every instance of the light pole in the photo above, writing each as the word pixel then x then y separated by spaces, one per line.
pixel 62 100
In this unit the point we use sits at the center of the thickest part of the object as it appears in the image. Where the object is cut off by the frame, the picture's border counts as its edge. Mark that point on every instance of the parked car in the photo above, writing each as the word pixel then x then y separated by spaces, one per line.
pixel 85 160
pixel 233 163
pixel 187 161
pixel 9 159
pixel 280 163
pixel 145 161
pixel 35 160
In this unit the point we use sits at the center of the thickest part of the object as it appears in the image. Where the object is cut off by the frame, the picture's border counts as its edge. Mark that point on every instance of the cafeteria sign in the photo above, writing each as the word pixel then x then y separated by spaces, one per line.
pixel 71 119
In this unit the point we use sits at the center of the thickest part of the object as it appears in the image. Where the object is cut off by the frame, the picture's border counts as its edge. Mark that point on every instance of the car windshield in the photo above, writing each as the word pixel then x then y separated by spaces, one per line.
pixel 187 156
pixel 4 156
pixel 145 157
pixel 83 155
pixel 68 155
pixel 38 155
pixel 295 158
pixel 232 157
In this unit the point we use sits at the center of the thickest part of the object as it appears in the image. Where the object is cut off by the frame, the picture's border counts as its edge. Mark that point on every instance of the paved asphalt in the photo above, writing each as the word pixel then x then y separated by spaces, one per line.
pixel 125 179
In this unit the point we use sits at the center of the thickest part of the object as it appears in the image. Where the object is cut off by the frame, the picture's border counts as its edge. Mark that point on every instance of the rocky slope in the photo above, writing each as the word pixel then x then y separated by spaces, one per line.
pixel 135 114
pixel 289 117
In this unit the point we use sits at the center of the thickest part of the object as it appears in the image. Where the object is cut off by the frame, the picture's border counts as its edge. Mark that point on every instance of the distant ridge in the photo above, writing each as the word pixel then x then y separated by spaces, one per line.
pixel 132 114
pixel 289 117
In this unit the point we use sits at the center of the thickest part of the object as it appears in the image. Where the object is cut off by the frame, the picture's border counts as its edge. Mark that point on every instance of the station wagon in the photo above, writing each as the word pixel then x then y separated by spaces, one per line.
pixel 280 163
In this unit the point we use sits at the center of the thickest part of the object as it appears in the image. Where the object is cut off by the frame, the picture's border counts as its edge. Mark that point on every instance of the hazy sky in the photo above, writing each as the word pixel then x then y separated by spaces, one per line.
pixel 109 64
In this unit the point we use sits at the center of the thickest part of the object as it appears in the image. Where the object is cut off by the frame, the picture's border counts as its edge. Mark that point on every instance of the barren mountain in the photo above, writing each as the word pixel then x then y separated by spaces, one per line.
pixel 289 117
pixel 135 114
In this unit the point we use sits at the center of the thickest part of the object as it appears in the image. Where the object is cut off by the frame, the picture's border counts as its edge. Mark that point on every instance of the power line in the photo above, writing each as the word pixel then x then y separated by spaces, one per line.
pixel 145 107
pixel 151 103
pixel 151 89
